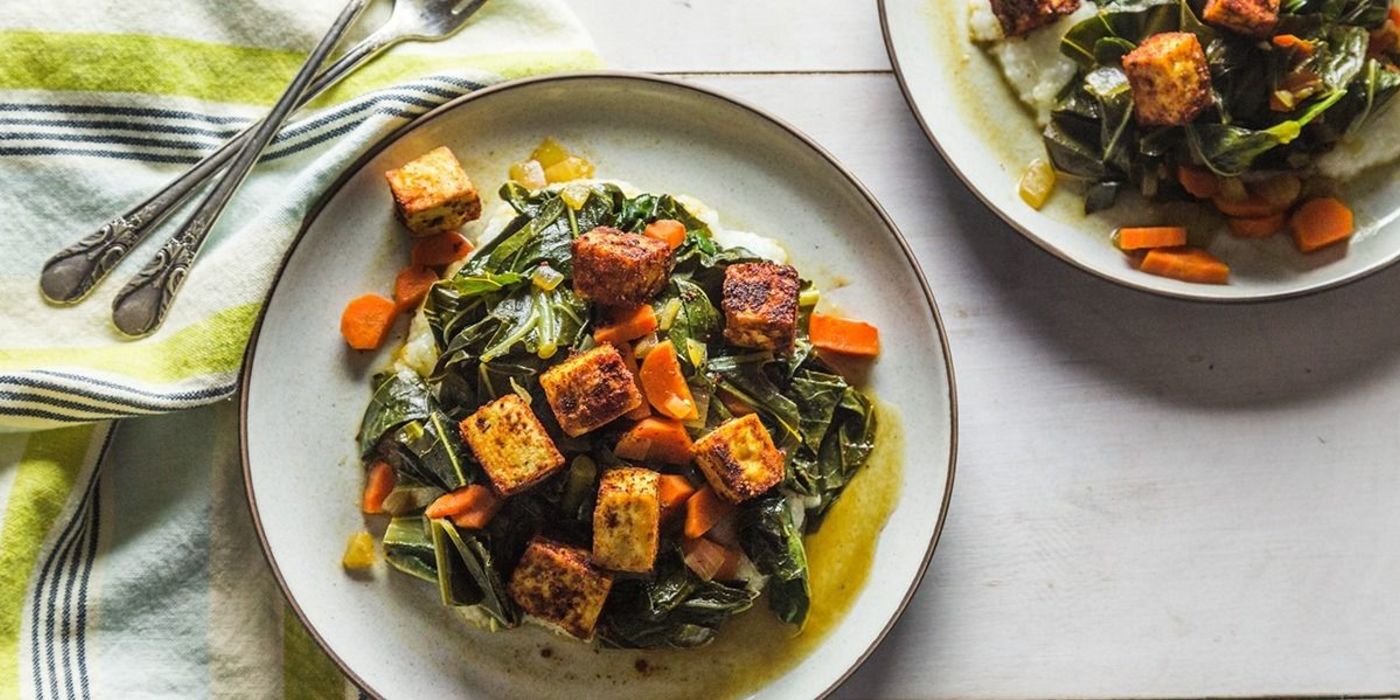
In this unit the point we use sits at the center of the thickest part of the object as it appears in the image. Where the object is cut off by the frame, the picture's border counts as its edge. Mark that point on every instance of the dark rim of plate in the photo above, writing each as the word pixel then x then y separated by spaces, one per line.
pixel 353 168
pixel 1055 251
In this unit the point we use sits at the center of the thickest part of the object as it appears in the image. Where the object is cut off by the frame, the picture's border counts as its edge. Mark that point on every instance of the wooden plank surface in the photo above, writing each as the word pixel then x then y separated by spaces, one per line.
pixel 1154 498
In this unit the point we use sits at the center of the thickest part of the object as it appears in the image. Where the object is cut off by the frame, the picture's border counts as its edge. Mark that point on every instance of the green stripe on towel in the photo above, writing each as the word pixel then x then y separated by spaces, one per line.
pixel 307 673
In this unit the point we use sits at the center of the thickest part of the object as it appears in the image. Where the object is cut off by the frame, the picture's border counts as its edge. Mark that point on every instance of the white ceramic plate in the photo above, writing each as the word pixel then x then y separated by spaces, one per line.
pixel 304 392
pixel 974 119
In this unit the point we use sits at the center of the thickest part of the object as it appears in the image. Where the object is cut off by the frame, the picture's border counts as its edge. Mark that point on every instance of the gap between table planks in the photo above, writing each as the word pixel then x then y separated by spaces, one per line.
pixel 1154 498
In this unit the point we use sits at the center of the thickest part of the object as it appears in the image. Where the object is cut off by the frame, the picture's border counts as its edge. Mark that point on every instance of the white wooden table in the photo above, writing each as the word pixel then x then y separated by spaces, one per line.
pixel 1153 498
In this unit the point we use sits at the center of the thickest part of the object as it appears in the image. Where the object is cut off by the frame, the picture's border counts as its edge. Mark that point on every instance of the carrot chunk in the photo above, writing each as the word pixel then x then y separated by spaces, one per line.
pixel 844 335
pixel 710 560
pixel 1187 264
pixel 661 439
pixel 378 484
pixel 1137 238
pixel 629 358
pixel 1251 207
pixel 628 325
pixel 674 490
pixel 470 506
pixel 1261 227
pixel 412 285
pixel 704 510
pixel 1200 182
pixel 1321 222
pixel 665 386
pixel 366 320
pixel 668 231
pixel 442 249
pixel 1304 47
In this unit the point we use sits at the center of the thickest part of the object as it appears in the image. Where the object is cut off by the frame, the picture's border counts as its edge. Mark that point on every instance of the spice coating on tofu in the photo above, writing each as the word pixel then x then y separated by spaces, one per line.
pixel 1019 17
pixel 590 390
pixel 1254 18
pixel 1169 78
pixel 760 305
pixel 432 194
pixel 510 443
pixel 556 584
pixel 627 520
pixel 613 268
pixel 739 459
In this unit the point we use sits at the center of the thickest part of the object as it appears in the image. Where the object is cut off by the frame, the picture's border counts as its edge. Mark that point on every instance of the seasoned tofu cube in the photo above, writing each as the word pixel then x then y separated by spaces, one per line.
pixel 760 305
pixel 614 268
pixel 739 459
pixel 590 390
pixel 557 585
pixel 432 194
pixel 1254 18
pixel 627 520
pixel 1018 17
pixel 1169 79
pixel 511 444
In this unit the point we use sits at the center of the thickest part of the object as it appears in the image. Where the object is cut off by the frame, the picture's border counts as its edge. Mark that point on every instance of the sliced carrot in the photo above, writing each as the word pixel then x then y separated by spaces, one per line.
pixel 1291 41
pixel 664 385
pixel 628 325
pixel 442 249
pixel 366 320
pixel 844 335
pixel 660 439
pixel 1321 222
pixel 1139 237
pixel 1262 227
pixel 1200 182
pixel 703 510
pixel 412 285
pixel 675 490
pixel 1251 207
pixel 735 404
pixel 378 484
pixel 710 560
pixel 470 506
pixel 668 231
pixel 1187 264
pixel 629 358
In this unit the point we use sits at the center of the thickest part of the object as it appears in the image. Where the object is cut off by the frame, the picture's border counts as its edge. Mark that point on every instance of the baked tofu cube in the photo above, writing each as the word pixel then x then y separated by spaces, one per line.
pixel 739 459
pixel 760 305
pixel 1169 79
pixel 627 520
pixel 432 194
pixel 614 268
pixel 557 585
pixel 511 444
pixel 1019 17
pixel 1253 18
pixel 590 390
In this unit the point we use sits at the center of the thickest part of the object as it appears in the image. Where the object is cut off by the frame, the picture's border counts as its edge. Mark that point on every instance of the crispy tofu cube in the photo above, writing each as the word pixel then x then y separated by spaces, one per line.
pixel 590 390
pixel 739 459
pixel 557 585
pixel 1254 18
pixel 614 268
pixel 627 520
pixel 1019 17
pixel 511 444
pixel 432 194
pixel 760 305
pixel 1169 79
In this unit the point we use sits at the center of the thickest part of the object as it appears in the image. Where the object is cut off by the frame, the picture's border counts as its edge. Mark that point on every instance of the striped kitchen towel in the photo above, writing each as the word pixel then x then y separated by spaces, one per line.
pixel 128 563
pixel 100 105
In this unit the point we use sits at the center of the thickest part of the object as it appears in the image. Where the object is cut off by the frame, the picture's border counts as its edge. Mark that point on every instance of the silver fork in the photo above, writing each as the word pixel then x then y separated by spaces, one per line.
pixel 71 274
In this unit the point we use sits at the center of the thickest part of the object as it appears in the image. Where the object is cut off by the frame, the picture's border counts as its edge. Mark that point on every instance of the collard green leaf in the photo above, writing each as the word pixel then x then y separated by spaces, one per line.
pixel 398 398
pixel 771 539
pixel 430 450
pixel 674 609
pixel 409 548
pixel 467 573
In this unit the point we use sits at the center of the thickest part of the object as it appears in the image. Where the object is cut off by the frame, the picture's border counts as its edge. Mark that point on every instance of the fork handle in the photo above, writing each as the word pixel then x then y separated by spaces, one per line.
pixel 140 307
pixel 72 273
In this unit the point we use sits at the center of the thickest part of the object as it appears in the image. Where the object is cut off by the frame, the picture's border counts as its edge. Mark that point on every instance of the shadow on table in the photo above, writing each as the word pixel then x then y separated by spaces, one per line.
pixel 1178 351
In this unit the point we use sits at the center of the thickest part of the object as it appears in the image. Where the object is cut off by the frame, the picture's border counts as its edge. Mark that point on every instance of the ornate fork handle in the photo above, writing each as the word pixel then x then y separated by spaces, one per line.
pixel 71 274
pixel 140 307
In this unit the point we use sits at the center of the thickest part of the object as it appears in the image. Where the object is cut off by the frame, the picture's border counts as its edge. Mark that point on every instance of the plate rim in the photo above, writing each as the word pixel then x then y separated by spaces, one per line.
pixel 374 149
pixel 1055 251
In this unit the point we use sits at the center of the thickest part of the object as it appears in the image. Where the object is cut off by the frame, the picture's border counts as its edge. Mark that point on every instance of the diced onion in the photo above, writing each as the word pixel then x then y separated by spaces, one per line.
pixel 546 277
pixel 667 317
pixel 1037 183
pixel 359 552
pixel 575 195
